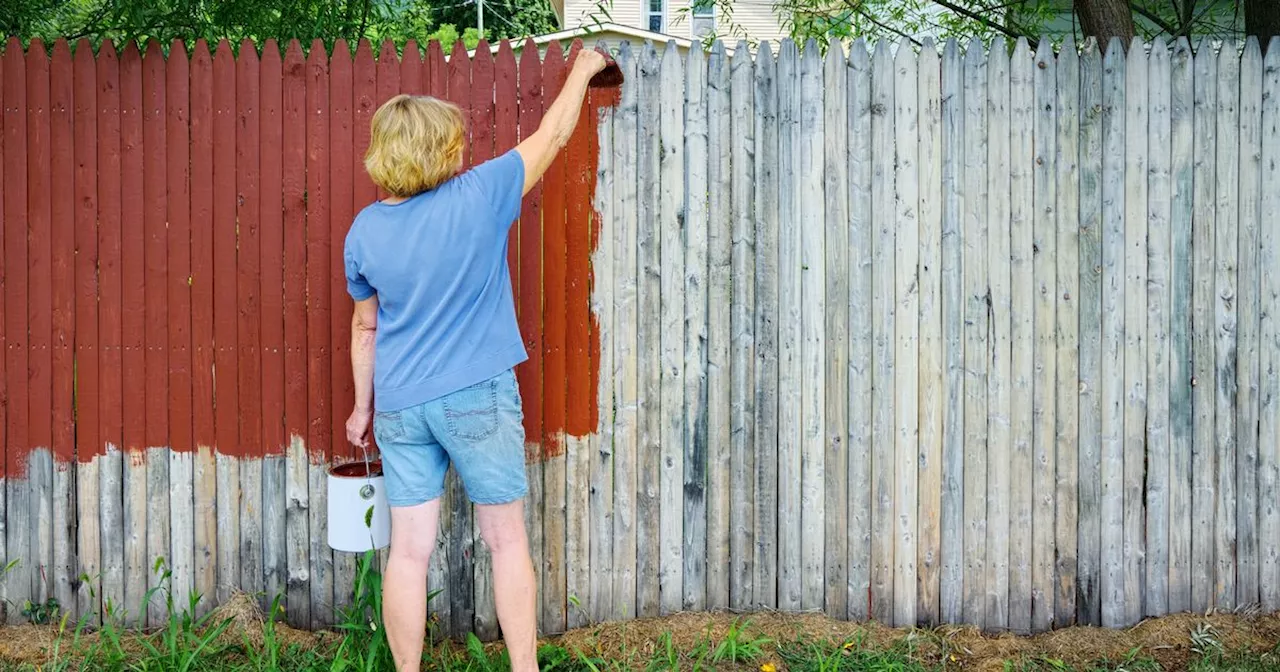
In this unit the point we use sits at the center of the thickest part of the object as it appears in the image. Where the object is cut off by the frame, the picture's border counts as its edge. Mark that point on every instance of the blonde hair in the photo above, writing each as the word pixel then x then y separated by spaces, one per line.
pixel 415 144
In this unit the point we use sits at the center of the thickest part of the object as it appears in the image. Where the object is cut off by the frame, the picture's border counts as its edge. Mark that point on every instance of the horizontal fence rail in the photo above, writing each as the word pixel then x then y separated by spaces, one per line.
pixel 935 335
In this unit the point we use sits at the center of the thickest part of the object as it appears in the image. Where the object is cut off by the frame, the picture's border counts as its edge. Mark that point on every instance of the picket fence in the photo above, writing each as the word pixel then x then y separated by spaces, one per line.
pixel 923 335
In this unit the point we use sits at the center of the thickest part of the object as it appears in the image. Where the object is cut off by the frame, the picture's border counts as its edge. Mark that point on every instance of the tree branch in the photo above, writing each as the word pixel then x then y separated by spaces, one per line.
pixel 1160 23
pixel 883 26
pixel 962 11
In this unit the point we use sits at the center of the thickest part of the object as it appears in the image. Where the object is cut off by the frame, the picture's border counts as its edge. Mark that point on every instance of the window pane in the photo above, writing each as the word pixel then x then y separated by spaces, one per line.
pixel 655 23
pixel 655 6
pixel 704 8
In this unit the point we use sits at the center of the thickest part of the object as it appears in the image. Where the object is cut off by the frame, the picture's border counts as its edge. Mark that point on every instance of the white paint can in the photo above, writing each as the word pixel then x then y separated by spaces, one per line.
pixel 359 517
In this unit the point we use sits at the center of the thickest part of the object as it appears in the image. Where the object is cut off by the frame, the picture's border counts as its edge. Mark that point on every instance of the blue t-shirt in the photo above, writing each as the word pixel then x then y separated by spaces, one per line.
pixel 438 263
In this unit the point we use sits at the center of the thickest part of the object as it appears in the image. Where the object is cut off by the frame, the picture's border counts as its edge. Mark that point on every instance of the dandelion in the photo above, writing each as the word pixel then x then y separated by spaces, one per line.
pixel 768 667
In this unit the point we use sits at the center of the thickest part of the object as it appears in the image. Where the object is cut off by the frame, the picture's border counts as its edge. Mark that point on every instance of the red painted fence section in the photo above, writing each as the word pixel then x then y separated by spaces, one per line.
pixel 183 218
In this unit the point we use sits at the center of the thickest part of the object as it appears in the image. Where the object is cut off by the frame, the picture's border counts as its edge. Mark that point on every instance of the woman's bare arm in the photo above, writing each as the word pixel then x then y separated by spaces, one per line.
pixel 540 149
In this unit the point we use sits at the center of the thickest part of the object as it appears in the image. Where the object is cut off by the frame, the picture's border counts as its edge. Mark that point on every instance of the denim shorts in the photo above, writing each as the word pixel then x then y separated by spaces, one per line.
pixel 478 429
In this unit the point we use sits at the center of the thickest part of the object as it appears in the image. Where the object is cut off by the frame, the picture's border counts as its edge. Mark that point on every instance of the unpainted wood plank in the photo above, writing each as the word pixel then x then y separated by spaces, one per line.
pixel 906 329
pixel 835 174
pixel 742 397
pixel 812 351
pixel 1113 325
pixel 1181 432
pixel 765 561
pixel 627 326
pixel 932 370
pixel 1066 179
pixel 951 298
pixel 1226 246
pixel 1269 344
pixel 789 315
pixel 1248 308
pixel 1089 224
pixel 603 261
pixel 1134 325
pixel 1044 413
pixel 1023 370
pixel 671 188
pixel 1203 298
pixel 859 268
pixel 884 523
pixel 694 292
pixel 719 330
pixel 977 332
pixel 1159 281
pixel 1000 375
pixel 649 337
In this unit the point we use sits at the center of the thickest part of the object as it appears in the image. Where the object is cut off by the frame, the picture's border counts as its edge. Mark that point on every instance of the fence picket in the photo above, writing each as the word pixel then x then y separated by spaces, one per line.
pixel 1226 247
pixel 61 523
pixel 1269 345
pixel 1248 306
pixel 38 486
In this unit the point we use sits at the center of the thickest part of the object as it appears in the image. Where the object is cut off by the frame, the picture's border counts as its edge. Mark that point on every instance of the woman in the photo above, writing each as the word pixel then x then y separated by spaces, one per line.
pixel 434 341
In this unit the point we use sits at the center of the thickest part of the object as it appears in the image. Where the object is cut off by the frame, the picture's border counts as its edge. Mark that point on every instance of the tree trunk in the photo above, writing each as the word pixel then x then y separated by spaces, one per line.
pixel 1262 18
pixel 1105 19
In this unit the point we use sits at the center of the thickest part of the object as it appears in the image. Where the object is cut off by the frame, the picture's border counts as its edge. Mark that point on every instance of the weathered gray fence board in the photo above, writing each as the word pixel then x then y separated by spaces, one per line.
pixel 766 329
pixel 953 302
pixel 719 329
pixel 1248 308
pixel 742 330
pixel 1089 552
pixel 977 316
pixel 932 371
pixel 600 605
pixel 1226 284
pixel 1067 415
pixel 1159 280
pixel 812 351
pixel 1180 355
pixel 835 176
pixel 1269 343
pixel 1203 447
pixel 884 531
pixel 693 289
pixel 1044 419
pixel 861 335
pixel 1022 313
pixel 649 345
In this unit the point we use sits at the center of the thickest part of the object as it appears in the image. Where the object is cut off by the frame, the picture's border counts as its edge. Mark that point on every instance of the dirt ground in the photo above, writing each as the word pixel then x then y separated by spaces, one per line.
pixel 1167 639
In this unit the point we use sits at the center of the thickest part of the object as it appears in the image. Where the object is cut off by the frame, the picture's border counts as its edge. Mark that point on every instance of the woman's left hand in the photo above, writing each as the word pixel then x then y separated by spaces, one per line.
pixel 358 427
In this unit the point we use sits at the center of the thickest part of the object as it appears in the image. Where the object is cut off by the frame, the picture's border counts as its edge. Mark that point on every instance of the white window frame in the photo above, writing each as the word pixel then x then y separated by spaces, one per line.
pixel 700 12
pixel 649 14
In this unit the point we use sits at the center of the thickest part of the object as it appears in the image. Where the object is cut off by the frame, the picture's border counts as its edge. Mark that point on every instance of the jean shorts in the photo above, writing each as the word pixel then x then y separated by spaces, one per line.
pixel 478 429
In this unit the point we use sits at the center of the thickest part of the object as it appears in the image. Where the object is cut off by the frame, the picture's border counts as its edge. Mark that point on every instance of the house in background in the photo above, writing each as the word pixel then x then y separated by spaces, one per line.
pixel 685 21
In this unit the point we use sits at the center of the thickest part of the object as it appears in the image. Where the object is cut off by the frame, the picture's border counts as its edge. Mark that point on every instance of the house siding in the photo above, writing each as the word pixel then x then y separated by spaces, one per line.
pixel 755 18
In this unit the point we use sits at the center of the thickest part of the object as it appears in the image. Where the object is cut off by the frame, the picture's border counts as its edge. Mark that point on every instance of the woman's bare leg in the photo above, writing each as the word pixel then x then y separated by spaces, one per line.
pixel 514 585
pixel 404 588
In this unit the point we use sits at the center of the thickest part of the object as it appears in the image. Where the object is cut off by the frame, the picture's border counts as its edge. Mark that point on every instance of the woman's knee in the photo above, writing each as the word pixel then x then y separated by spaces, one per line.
pixel 502 527
pixel 415 549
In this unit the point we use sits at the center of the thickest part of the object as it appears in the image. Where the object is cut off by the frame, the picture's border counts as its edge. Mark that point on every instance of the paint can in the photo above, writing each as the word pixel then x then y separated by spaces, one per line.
pixel 359 517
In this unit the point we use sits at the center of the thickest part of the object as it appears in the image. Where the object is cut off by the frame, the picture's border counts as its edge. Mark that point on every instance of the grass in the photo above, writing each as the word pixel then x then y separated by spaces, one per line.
pixel 248 640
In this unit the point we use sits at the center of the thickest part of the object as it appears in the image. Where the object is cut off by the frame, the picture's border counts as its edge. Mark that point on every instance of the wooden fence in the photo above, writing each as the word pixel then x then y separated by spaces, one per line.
pixel 915 335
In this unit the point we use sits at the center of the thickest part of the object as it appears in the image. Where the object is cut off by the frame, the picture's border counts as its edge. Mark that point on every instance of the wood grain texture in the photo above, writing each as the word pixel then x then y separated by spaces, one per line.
pixel 1134 326
pixel 835 174
pixel 1249 308
pixel 1226 248
pixel 883 303
pixel 813 352
pixel 1068 302
pixel 906 329
pixel 1089 552
pixel 1045 424
pixel 649 337
pixel 952 301
pixel 977 334
pixel 671 187
pixel 719 329
pixel 1159 281
pixel 1269 345
pixel 1203 446
pixel 1022 368
pixel 861 334
pixel 765 560
pixel 694 229
pixel 789 313
pixel 1181 371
